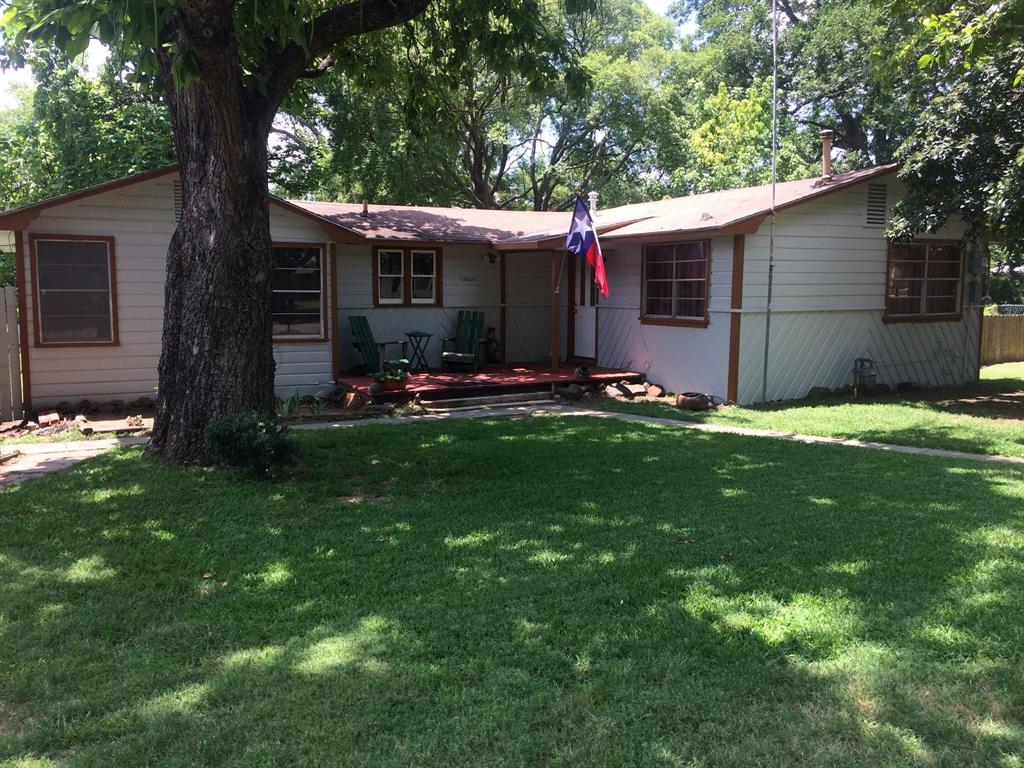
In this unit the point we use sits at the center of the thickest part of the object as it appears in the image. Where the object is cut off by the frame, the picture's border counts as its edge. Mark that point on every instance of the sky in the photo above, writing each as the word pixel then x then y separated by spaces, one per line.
pixel 94 57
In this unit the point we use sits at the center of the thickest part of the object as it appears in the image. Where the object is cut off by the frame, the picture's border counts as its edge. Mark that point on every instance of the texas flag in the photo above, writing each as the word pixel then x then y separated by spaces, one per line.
pixel 582 241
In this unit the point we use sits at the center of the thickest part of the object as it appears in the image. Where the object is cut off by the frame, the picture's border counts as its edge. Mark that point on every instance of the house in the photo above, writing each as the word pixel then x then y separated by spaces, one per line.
pixel 689 282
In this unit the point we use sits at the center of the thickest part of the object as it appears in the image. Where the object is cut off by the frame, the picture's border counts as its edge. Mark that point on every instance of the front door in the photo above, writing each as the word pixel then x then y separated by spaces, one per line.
pixel 585 319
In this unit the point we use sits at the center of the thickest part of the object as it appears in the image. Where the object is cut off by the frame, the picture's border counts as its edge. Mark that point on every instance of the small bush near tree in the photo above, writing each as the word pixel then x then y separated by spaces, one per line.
pixel 249 439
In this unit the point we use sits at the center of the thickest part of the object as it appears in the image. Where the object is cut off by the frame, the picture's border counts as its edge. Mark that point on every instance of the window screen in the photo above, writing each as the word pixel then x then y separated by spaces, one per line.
pixel 676 281
pixel 74 291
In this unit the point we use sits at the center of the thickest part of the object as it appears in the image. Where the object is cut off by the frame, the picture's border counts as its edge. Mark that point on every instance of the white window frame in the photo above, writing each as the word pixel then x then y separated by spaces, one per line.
pixel 684 320
pixel 922 315
pixel 433 275
pixel 377 275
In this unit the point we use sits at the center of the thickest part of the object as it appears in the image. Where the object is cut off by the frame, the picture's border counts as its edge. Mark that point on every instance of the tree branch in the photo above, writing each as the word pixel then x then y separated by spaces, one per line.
pixel 320 69
pixel 788 10
pixel 330 28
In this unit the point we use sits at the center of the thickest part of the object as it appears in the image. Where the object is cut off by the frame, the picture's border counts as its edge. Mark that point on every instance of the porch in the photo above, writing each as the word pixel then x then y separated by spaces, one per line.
pixel 528 299
pixel 494 379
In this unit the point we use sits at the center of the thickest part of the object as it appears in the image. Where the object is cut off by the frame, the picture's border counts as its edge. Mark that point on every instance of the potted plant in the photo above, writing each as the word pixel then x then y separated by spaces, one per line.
pixel 390 381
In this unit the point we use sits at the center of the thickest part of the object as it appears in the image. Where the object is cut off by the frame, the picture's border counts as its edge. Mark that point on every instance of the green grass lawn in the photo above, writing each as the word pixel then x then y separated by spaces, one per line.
pixel 983 418
pixel 543 592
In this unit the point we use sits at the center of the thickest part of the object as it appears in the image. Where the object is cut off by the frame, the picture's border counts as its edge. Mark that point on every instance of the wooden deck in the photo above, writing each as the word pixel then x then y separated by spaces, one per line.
pixel 494 378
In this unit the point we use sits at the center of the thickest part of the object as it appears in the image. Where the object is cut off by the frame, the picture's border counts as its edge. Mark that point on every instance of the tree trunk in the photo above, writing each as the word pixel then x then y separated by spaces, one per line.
pixel 217 356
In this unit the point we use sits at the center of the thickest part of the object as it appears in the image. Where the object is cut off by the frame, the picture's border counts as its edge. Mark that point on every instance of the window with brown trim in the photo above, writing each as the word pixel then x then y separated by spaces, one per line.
pixel 924 280
pixel 406 276
pixel 675 283
pixel 298 292
pixel 75 295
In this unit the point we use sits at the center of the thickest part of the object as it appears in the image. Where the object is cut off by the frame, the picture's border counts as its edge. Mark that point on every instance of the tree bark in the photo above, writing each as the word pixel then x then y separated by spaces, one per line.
pixel 217 356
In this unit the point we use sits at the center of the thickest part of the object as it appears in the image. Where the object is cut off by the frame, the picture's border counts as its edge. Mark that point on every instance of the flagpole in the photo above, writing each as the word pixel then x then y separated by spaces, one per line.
pixel 561 268
pixel 771 231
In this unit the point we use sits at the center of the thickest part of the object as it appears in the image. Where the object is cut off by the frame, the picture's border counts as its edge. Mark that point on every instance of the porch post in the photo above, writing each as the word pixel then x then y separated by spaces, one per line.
pixel 21 256
pixel 556 313
pixel 503 312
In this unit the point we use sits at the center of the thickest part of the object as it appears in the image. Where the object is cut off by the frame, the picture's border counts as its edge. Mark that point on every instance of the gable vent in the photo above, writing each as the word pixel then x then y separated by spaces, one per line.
pixel 176 194
pixel 877 211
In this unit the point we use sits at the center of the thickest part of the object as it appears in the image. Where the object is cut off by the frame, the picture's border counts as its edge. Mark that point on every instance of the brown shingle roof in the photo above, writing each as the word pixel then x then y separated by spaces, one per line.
pixel 707 212
pixel 718 210
pixel 522 229
pixel 439 225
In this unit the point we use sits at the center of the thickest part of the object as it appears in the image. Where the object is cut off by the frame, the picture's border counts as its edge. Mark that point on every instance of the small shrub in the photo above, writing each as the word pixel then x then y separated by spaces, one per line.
pixel 388 375
pixel 290 407
pixel 249 439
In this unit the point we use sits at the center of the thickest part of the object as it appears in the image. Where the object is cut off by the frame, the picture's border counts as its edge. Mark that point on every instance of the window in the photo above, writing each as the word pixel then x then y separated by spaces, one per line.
pixel 924 280
pixel 424 277
pixel 298 288
pixel 407 276
pixel 75 297
pixel 391 277
pixel 676 283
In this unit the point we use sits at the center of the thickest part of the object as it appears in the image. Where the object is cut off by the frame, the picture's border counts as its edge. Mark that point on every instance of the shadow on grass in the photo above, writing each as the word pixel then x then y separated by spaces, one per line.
pixel 545 592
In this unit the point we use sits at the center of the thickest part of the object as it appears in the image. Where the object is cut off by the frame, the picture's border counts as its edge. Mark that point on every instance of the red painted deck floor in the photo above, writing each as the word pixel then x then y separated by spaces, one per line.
pixel 497 376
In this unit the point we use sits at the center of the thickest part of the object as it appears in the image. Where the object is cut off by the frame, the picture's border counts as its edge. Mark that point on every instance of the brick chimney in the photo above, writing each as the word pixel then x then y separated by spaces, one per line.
pixel 826 155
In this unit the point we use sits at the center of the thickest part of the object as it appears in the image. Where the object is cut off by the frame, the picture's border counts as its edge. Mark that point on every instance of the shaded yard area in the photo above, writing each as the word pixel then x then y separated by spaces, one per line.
pixel 984 418
pixel 544 592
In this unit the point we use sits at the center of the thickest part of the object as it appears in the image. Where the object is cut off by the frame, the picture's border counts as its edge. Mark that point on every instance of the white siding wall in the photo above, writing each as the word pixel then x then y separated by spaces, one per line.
pixel 679 358
pixel 828 303
pixel 470 281
pixel 140 218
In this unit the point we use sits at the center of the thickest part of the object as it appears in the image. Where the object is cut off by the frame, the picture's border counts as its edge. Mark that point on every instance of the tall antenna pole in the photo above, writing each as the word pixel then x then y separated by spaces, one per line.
pixel 771 231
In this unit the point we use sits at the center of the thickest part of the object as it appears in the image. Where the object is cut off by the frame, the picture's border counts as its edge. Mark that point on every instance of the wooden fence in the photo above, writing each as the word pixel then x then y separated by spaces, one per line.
pixel 10 358
pixel 1002 339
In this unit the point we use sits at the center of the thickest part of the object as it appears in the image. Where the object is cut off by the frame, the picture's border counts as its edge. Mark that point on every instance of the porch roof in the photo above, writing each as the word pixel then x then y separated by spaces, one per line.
pixel 433 224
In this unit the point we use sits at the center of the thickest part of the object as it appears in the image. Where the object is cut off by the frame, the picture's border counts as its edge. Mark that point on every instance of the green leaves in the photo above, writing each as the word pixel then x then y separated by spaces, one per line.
pixel 507 114
pixel 963 158
pixel 71 132
pixel 724 141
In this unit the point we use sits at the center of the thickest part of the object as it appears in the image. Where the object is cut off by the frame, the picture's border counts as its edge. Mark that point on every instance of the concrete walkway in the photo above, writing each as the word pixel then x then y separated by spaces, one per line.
pixel 39 458
pixel 35 459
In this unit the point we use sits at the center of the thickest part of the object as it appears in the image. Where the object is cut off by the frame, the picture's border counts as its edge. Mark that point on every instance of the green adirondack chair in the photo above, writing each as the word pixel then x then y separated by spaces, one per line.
pixel 466 347
pixel 375 352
